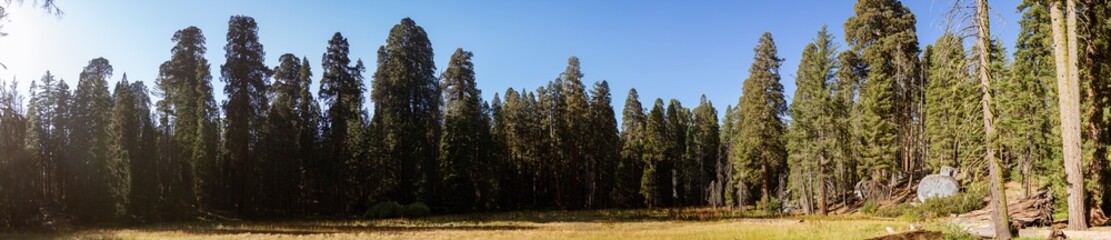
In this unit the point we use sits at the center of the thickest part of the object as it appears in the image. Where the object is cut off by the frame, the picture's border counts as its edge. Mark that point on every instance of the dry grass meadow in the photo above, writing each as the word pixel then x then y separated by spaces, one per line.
pixel 606 224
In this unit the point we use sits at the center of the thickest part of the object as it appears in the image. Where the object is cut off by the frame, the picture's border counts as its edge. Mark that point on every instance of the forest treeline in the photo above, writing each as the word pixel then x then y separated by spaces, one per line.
pixel 867 117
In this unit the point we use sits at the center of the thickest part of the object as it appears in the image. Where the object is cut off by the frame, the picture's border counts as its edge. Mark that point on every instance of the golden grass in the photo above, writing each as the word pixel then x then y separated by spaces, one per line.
pixel 621 224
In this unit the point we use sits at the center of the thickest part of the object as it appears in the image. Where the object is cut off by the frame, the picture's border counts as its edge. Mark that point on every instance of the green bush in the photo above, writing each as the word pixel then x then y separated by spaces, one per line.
pixel 388 209
pixel 773 208
pixel 869 207
pixel 933 208
pixel 956 204
pixel 417 210
pixel 954 232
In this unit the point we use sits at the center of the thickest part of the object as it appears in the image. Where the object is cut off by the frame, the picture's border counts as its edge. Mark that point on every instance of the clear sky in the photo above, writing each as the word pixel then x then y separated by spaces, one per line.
pixel 665 49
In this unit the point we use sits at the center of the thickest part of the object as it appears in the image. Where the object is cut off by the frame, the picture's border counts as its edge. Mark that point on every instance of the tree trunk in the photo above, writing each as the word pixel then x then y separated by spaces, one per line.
pixel 998 197
pixel 822 204
pixel 1069 97
pixel 765 192
pixel 823 207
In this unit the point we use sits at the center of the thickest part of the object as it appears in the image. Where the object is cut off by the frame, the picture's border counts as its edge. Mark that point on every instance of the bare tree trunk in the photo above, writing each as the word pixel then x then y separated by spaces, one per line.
pixel 807 196
pixel 998 198
pixel 822 204
pixel 765 192
pixel 1069 97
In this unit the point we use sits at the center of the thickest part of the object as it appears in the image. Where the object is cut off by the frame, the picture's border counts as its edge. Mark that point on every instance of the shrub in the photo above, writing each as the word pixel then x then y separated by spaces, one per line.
pixel 954 232
pixel 388 209
pixel 773 208
pixel 956 204
pixel 869 207
pixel 417 210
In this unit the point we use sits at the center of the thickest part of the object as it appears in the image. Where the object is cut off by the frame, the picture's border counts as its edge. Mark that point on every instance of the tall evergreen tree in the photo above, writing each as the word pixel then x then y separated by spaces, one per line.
pixel 725 172
pixel 675 169
pixel 847 115
pixel 656 144
pixel 603 147
pixel 341 91
pixel 574 112
pixel 105 179
pixel 812 133
pixel 282 167
pixel 465 152
pixel 704 146
pixel 951 104
pixel 15 195
pixel 47 139
pixel 247 79
pixel 307 123
pixel 1028 114
pixel 760 147
pixel 189 134
pixel 882 33
pixel 133 146
pixel 406 102
pixel 631 167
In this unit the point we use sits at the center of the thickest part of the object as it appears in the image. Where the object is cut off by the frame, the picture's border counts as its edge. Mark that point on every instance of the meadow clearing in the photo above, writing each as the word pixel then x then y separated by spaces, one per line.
pixel 698 223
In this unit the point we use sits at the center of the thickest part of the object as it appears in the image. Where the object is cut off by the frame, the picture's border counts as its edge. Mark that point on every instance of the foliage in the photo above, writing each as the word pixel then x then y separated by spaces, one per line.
pixel 760 147
pixel 388 209
pixel 417 210
pixel 869 207
pixel 882 34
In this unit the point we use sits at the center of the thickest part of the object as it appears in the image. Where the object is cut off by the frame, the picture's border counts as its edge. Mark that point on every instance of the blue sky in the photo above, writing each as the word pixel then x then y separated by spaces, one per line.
pixel 665 49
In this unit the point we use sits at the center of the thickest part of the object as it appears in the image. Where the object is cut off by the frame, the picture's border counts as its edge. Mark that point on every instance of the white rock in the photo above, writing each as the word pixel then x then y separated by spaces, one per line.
pixel 937 185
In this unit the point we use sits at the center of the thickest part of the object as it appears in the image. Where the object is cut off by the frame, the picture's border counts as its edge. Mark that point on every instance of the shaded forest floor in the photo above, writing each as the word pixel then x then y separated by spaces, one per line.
pixel 603 224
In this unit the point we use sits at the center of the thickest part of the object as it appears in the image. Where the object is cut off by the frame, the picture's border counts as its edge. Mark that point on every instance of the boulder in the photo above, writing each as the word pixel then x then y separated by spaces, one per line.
pixel 937 185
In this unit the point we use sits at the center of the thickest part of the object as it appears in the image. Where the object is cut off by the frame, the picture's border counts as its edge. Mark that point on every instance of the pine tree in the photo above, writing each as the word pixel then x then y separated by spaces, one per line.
pixel 307 123
pixel 247 79
pixel 1028 113
pixel 464 154
pixel 656 144
pixel 759 142
pixel 549 165
pixel 812 131
pixel 725 171
pixel 677 167
pixel 105 179
pixel 15 194
pixel 951 104
pixel 575 121
pixel 704 146
pixel 133 145
pixel 281 169
pixel 406 101
pixel 882 33
pixel 603 147
pixel 189 139
pixel 847 116
pixel 521 134
pixel 341 91
pixel 631 167
pixel 47 140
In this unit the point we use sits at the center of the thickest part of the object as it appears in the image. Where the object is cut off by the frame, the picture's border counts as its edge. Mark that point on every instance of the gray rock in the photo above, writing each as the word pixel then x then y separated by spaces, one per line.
pixel 937 185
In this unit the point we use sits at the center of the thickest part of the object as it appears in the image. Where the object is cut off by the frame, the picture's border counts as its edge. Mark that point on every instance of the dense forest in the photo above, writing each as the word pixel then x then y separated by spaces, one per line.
pixel 868 116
